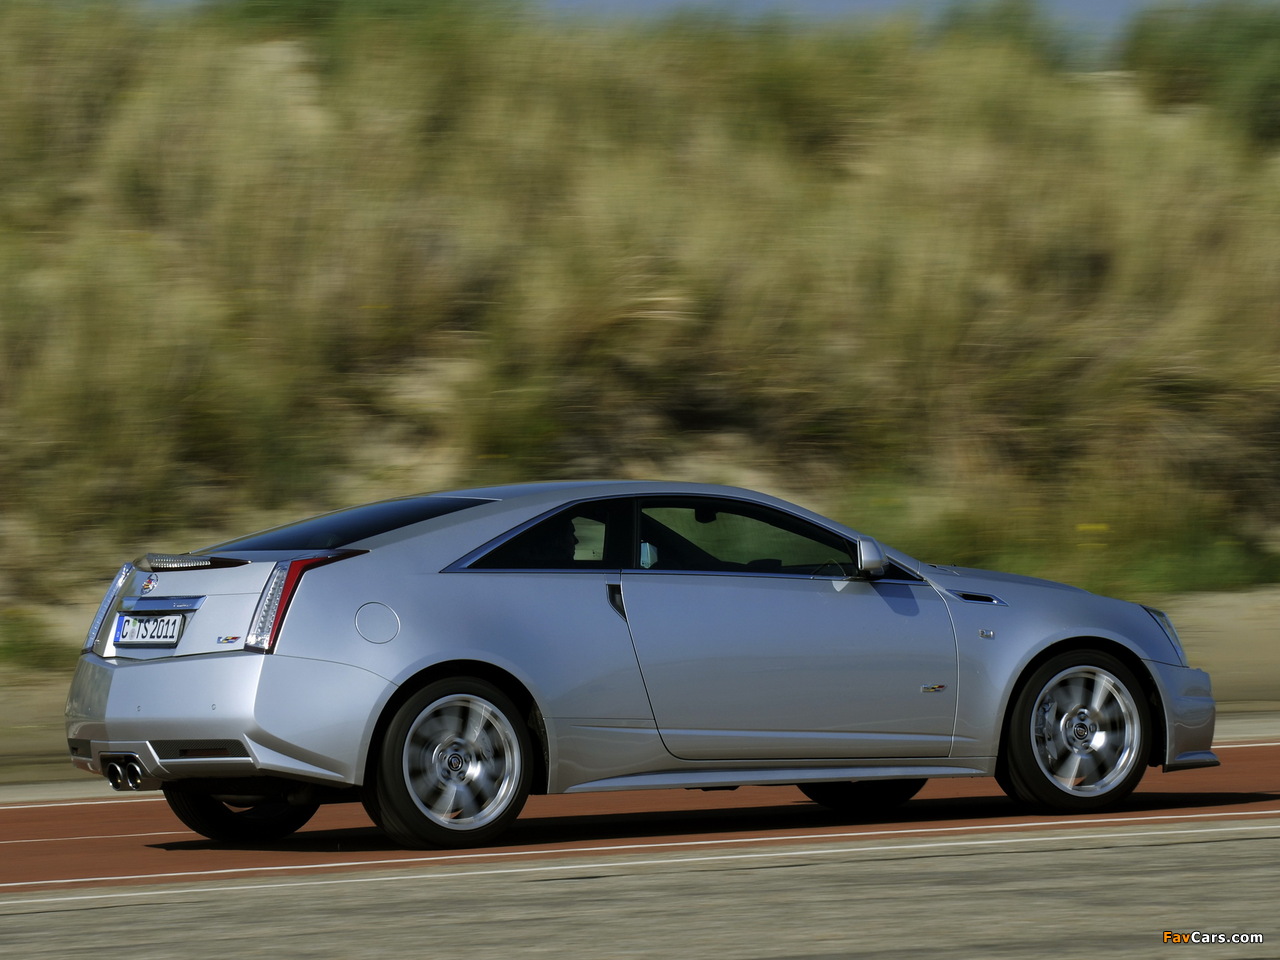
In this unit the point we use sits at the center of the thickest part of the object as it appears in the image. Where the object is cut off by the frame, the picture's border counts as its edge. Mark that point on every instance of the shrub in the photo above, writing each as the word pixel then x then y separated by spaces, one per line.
pixel 1222 54
pixel 319 255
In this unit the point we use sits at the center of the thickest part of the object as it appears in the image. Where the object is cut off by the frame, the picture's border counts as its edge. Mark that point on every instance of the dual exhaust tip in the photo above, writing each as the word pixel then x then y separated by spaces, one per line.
pixel 126 774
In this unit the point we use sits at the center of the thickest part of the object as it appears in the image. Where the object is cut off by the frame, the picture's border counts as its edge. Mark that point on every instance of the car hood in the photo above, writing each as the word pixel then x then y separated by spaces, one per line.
pixel 975 577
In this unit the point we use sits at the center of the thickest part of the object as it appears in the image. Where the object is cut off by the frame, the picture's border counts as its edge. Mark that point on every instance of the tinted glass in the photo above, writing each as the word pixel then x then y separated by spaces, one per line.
pixel 349 526
pixel 586 536
pixel 728 537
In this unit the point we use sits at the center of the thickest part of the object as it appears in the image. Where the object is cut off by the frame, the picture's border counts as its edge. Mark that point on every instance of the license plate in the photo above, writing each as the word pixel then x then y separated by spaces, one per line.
pixel 139 631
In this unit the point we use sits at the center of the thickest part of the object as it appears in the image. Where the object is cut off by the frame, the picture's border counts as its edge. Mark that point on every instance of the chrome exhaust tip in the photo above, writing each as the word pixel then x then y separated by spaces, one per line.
pixel 133 775
pixel 115 776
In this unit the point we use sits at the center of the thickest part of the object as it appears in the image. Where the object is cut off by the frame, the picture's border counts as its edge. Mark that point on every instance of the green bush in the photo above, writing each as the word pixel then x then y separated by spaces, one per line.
pixel 1017 24
pixel 25 643
pixel 1224 54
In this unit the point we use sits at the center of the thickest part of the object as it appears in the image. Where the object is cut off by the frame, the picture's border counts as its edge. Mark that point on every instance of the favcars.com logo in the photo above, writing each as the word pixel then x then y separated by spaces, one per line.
pixel 1197 937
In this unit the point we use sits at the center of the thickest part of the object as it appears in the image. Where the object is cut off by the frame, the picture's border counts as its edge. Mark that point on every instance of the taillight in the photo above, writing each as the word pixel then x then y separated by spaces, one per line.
pixel 276 595
pixel 104 608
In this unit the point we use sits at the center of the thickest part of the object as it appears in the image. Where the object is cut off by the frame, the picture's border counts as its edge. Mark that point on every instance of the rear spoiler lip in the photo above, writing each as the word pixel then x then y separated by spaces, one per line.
pixel 163 562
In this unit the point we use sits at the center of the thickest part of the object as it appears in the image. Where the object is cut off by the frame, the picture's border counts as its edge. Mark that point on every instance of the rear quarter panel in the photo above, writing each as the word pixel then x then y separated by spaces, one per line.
pixel 554 632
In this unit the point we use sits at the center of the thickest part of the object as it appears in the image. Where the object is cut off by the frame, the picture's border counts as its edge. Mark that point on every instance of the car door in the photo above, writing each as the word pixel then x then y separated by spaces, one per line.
pixel 754 643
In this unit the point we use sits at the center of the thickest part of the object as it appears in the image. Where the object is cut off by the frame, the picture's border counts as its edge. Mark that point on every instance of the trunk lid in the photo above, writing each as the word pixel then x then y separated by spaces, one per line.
pixel 169 606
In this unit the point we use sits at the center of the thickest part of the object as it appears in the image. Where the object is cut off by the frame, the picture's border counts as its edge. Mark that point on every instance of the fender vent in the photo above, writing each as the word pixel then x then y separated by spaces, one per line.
pixel 985 598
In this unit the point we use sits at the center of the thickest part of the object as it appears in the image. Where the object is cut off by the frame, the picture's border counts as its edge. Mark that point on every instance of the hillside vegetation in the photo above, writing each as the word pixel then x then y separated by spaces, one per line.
pixel 258 259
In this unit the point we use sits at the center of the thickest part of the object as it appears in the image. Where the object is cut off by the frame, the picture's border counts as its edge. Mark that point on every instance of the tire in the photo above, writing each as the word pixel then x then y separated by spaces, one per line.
pixel 862 797
pixel 227 822
pixel 454 767
pixel 1079 735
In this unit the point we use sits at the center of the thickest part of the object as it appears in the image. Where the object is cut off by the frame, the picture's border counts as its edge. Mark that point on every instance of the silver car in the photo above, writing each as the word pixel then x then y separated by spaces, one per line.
pixel 440 657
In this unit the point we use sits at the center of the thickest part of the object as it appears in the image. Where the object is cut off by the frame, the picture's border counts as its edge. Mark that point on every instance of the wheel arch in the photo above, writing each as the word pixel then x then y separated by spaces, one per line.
pixel 1150 691
pixel 480 670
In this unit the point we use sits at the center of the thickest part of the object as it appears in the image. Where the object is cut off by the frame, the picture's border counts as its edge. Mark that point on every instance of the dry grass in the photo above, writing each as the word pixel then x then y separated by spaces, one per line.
pixel 979 305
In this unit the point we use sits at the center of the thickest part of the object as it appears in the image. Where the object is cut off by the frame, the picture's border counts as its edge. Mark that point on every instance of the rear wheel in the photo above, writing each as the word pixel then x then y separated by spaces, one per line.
pixel 232 821
pixel 862 797
pixel 454 766
pixel 1079 734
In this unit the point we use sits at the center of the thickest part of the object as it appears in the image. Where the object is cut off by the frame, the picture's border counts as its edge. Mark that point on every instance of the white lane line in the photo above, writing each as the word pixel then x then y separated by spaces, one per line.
pixel 615 865
pixel 634 847
pixel 77 803
pixel 100 836
pixel 1245 743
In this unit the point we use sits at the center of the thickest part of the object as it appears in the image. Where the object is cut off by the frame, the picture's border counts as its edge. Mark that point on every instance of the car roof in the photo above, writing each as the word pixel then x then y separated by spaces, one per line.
pixel 545 495
pixel 552 491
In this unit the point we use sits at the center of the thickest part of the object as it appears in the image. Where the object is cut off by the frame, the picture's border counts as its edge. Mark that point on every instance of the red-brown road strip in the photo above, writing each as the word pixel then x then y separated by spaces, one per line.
pixel 68 845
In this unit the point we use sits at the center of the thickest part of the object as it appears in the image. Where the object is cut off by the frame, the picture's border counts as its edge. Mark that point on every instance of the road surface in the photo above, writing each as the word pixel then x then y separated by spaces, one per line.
pixel 746 875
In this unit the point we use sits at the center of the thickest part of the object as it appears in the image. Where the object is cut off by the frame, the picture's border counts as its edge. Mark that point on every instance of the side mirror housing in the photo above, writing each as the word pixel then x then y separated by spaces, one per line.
pixel 871 559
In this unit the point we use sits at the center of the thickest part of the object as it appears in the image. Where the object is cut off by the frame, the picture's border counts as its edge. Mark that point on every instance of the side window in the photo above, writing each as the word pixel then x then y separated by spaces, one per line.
pixel 590 536
pixel 725 536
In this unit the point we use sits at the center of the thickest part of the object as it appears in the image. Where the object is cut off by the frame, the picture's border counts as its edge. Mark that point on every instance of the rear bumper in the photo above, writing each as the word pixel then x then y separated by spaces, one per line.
pixel 233 714
pixel 1189 716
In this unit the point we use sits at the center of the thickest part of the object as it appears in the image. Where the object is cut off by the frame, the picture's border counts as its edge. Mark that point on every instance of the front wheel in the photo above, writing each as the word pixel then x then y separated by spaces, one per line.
pixel 454 766
pixel 1078 737
pixel 232 821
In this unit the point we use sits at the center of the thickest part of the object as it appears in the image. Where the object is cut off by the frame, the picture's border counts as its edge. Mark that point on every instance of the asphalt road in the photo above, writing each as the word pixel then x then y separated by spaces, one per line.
pixel 1063 894
pixel 754 874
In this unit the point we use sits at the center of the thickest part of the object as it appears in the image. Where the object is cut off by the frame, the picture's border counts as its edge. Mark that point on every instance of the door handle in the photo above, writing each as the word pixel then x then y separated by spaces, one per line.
pixel 614 590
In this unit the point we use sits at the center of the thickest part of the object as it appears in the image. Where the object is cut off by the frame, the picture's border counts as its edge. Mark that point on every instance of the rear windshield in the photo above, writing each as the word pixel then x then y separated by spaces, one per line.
pixel 348 526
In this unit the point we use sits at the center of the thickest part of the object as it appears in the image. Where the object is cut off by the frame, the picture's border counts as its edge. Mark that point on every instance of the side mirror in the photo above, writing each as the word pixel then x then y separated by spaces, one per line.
pixel 871 559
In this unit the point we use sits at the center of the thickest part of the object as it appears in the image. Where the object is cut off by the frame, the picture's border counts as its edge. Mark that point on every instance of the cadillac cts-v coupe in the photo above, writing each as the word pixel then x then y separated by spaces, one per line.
pixel 441 657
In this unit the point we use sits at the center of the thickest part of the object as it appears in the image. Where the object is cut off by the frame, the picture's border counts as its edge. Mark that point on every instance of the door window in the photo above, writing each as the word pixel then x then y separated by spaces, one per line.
pixel 588 536
pixel 707 534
